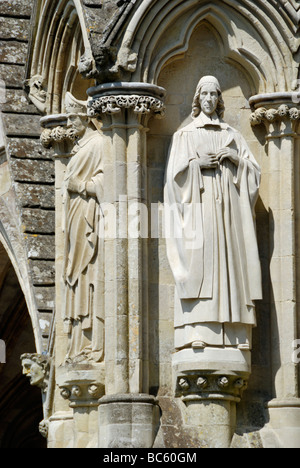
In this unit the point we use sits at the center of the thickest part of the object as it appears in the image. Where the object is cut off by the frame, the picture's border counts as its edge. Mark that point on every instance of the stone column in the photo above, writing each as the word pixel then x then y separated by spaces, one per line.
pixel 124 109
pixel 60 423
pixel 280 113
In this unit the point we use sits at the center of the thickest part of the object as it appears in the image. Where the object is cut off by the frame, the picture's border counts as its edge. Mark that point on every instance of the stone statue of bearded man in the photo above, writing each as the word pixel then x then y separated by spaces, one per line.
pixel 211 188
pixel 83 226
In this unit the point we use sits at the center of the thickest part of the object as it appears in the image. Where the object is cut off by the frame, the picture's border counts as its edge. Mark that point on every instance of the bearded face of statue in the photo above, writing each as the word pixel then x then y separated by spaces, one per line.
pixel 76 126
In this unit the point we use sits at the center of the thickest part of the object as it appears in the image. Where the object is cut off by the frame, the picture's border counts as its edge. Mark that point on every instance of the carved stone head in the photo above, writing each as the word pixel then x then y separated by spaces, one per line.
pixel 36 368
pixel 78 120
pixel 208 97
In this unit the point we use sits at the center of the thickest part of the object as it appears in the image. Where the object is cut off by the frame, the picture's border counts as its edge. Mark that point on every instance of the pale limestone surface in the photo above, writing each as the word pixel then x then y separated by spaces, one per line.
pixel 83 225
pixel 211 188
pixel 251 48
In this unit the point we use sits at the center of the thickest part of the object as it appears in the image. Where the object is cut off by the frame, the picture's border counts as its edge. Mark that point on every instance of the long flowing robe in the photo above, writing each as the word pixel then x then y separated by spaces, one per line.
pixel 84 251
pixel 210 227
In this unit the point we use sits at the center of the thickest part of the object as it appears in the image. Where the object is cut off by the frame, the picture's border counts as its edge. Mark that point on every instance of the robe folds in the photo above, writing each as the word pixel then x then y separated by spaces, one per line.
pixel 83 271
pixel 210 226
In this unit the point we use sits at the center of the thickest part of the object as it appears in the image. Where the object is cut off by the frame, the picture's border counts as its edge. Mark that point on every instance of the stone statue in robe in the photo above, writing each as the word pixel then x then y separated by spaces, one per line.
pixel 211 188
pixel 83 225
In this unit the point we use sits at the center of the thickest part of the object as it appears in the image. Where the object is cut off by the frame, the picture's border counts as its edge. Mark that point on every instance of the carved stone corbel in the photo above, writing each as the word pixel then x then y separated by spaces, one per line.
pixel 37 368
pixel 211 386
pixel 37 92
pixel 82 384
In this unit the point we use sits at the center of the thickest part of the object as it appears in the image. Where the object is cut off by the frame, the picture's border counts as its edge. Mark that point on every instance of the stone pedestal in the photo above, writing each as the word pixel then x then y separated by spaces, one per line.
pixel 210 382
pixel 128 421
pixel 82 385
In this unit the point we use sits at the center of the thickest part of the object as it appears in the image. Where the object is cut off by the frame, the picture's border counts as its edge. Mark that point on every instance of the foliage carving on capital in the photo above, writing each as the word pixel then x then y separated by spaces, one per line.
pixel 263 114
pixel 57 135
pixel 115 104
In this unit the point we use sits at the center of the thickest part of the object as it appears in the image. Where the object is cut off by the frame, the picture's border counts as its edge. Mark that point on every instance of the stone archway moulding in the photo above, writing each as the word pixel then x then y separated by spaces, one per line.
pixel 59 42
pixel 257 35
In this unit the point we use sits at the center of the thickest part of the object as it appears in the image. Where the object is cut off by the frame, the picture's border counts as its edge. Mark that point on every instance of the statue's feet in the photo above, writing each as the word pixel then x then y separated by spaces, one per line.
pixel 199 345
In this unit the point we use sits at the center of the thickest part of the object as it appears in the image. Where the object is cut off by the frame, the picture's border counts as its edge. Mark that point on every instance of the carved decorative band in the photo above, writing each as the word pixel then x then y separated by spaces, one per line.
pixel 55 130
pixel 111 98
pixel 57 135
pixel 211 386
pixel 270 115
pixel 114 105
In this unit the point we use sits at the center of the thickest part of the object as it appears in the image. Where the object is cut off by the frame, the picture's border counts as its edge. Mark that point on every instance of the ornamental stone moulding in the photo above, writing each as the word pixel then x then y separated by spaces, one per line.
pixel 270 115
pixel 211 386
pixel 142 98
pixel 82 385
pixel 279 112
pixel 114 105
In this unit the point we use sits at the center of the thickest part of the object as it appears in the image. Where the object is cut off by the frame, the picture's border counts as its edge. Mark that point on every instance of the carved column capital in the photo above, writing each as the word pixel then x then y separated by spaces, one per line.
pixel 56 135
pixel 82 385
pixel 279 112
pixel 200 375
pixel 112 98
pixel 211 386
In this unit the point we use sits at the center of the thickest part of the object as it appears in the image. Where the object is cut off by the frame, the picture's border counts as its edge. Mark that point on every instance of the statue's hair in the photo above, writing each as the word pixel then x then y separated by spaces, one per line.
pixel 40 359
pixel 196 108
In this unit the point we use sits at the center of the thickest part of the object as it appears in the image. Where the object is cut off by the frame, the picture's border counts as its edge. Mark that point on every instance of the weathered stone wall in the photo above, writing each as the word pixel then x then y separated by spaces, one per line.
pixel 31 166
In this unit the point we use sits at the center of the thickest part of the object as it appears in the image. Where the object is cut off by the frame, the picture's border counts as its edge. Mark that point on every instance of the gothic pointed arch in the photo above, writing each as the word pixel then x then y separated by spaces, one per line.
pixel 60 40
pixel 259 36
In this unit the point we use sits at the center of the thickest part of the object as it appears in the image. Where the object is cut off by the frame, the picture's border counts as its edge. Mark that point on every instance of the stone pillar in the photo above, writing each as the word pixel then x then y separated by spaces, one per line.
pixel 60 424
pixel 124 109
pixel 280 113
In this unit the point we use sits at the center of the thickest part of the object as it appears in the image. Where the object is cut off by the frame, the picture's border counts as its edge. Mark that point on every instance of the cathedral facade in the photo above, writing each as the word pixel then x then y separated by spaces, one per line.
pixel 149 224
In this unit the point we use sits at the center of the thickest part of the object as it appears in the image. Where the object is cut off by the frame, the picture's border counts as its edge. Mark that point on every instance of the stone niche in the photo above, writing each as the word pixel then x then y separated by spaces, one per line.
pixel 205 56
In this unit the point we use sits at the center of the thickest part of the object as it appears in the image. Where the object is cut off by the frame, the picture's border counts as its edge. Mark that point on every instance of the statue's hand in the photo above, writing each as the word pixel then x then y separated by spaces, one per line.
pixel 74 185
pixel 228 153
pixel 207 160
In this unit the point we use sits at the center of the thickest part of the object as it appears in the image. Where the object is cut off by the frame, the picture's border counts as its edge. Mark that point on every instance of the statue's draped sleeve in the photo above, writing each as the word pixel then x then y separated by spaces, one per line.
pixel 184 237
pixel 193 201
